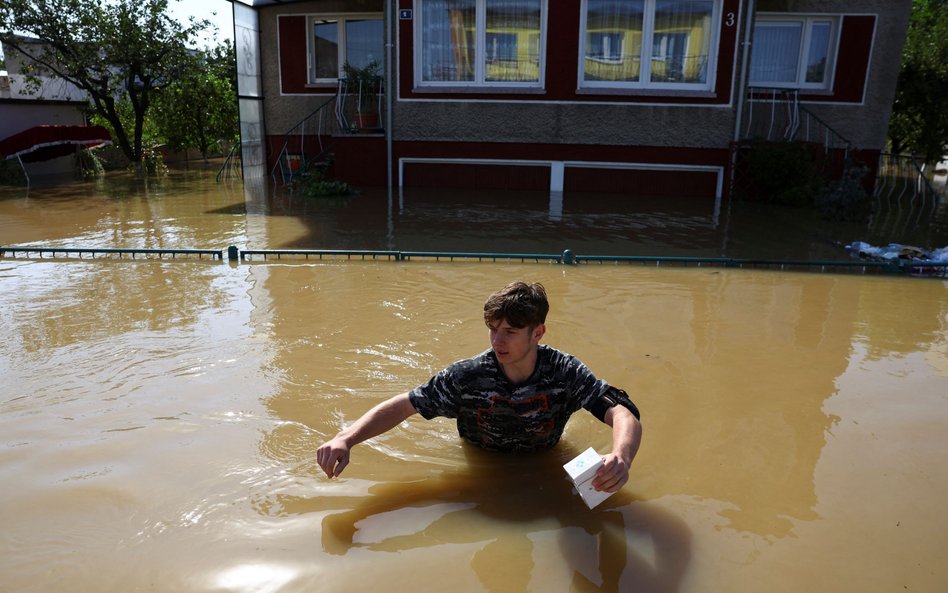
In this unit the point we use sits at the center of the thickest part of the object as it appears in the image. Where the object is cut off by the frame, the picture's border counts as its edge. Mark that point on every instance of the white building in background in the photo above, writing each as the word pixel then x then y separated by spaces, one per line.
pixel 53 102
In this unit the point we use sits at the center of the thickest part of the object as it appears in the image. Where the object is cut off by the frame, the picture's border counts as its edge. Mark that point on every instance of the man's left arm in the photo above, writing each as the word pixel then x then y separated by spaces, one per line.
pixel 626 437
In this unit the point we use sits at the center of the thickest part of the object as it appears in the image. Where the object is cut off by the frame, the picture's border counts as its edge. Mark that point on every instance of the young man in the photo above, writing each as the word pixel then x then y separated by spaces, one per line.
pixel 516 396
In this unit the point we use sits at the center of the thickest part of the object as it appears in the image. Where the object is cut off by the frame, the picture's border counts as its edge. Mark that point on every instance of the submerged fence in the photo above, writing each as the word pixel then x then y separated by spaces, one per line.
pixel 938 269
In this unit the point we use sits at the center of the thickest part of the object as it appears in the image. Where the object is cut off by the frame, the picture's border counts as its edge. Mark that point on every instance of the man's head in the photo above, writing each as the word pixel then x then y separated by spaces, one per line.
pixel 519 304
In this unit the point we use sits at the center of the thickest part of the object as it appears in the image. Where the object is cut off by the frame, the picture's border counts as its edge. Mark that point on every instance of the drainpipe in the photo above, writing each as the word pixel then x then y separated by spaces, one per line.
pixel 745 52
pixel 388 90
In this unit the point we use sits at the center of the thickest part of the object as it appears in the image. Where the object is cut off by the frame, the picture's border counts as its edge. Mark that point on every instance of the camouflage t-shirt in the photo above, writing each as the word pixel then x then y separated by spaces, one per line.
pixel 498 415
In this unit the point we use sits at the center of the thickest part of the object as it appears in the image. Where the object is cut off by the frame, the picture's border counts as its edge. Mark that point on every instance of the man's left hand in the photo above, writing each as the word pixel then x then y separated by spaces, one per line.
pixel 612 475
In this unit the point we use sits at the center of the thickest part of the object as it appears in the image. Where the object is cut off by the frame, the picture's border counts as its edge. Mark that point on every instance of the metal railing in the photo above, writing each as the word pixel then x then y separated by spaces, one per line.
pixel 359 106
pixel 231 164
pixel 567 257
pixel 776 115
pixel 904 197
pixel 304 142
pixel 120 253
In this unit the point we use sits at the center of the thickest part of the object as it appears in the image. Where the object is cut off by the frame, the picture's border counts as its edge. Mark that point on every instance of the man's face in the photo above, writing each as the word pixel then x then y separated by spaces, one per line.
pixel 513 345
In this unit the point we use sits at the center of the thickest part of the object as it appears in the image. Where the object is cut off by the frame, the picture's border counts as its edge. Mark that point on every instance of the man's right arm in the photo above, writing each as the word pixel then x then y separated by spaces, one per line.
pixel 333 456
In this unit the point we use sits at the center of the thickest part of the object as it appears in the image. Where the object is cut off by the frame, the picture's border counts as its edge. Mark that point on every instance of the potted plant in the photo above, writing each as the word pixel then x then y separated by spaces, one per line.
pixel 365 85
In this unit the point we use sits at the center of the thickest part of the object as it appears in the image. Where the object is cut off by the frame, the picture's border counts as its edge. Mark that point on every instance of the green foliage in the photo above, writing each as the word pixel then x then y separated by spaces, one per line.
pixel 120 50
pixel 919 123
pixel 199 108
pixel 366 84
pixel 784 173
pixel 153 163
pixel 150 138
pixel 88 164
pixel 125 112
pixel 313 184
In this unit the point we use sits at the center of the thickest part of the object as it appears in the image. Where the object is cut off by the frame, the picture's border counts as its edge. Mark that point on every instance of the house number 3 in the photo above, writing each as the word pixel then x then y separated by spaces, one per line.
pixel 729 19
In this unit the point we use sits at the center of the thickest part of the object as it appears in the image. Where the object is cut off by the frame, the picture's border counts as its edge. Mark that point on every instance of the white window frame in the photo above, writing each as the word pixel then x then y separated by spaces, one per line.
pixel 480 54
pixel 340 20
pixel 645 67
pixel 832 51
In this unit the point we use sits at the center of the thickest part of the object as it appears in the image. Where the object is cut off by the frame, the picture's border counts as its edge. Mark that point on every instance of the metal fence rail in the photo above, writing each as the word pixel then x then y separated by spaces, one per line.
pixel 92 252
pixel 279 254
pixel 451 256
pixel 567 257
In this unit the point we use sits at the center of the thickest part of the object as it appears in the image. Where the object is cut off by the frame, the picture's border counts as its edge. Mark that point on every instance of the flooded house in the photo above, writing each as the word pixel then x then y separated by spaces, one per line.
pixel 658 97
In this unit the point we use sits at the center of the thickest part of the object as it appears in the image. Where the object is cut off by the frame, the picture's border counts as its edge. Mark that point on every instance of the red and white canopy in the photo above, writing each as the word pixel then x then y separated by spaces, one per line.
pixel 42 143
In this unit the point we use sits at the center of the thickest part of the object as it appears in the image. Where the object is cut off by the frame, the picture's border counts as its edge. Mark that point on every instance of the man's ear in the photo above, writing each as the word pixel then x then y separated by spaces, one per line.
pixel 538 332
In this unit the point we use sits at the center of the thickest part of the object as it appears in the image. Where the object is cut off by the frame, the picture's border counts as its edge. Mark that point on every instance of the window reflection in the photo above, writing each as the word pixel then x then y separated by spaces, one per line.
pixel 477 41
pixel 363 42
pixel 677 35
pixel 326 49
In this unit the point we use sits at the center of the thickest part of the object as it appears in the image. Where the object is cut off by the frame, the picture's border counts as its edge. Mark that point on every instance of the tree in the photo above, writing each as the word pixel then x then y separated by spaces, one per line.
pixel 919 121
pixel 199 108
pixel 115 50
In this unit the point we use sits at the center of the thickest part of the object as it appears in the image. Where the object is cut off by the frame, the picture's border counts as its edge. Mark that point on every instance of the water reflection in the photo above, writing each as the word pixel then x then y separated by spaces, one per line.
pixel 157 213
pixel 497 505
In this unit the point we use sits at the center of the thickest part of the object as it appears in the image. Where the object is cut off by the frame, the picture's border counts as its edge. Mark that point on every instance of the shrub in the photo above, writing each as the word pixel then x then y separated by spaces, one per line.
pixel 88 164
pixel 313 184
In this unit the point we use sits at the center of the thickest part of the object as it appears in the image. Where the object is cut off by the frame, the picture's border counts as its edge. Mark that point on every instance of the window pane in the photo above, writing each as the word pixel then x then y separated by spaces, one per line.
pixel 447 40
pixel 681 44
pixel 819 51
pixel 775 52
pixel 326 54
pixel 513 30
pixel 364 42
pixel 613 40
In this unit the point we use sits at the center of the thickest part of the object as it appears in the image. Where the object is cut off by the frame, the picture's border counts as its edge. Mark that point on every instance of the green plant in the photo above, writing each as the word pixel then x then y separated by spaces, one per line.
pixel 365 83
pixel 88 164
pixel 152 163
pixel 313 184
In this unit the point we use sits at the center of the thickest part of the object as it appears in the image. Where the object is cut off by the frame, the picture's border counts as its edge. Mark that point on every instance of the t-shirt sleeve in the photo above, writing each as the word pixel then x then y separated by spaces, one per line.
pixel 587 387
pixel 438 397
pixel 597 396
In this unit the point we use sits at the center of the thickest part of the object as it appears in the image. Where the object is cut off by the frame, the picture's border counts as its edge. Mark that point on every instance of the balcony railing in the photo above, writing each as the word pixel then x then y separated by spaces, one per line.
pixel 359 106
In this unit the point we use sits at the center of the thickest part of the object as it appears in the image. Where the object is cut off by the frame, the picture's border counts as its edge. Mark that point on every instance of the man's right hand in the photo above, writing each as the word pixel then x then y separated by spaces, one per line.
pixel 333 456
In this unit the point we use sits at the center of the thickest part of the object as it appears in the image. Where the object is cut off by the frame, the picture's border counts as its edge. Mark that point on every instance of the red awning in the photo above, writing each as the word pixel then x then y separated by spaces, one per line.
pixel 42 143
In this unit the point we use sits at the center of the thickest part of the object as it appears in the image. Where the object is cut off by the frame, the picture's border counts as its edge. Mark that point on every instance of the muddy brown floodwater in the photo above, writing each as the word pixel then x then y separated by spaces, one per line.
pixel 159 420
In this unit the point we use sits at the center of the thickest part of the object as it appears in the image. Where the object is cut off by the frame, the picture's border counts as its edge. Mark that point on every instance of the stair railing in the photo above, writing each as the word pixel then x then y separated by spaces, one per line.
pixel 320 123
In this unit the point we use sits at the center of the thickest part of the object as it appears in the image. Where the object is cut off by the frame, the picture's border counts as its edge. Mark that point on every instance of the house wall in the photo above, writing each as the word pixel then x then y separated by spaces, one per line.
pixel 561 113
pixel 863 118
pixel 560 122
pixel 288 98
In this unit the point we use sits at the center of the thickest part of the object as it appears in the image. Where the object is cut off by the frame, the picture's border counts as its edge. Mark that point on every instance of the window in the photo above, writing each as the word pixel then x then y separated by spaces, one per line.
pixel 791 51
pixel 336 40
pixel 479 42
pixel 679 38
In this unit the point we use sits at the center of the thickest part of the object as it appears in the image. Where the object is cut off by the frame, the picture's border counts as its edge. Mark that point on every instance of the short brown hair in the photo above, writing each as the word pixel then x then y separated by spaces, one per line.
pixel 519 303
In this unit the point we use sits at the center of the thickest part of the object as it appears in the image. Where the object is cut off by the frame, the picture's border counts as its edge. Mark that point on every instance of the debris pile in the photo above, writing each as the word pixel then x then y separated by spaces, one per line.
pixel 914 259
